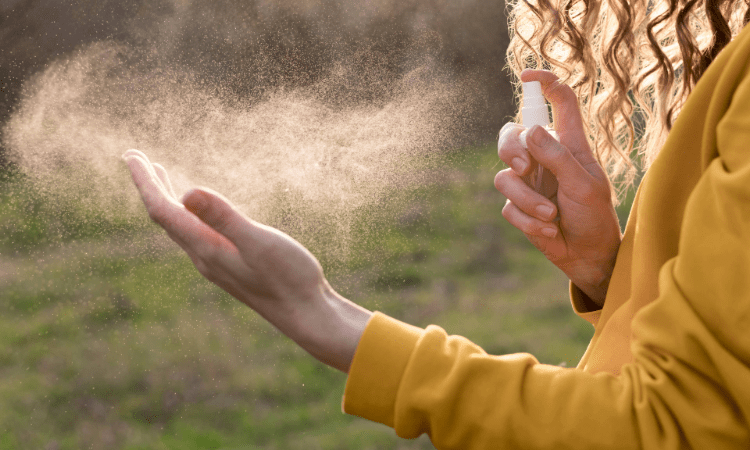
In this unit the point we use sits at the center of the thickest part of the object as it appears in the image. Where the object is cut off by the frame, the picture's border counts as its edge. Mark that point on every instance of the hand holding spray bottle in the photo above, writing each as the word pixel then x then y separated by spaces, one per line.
pixel 535 112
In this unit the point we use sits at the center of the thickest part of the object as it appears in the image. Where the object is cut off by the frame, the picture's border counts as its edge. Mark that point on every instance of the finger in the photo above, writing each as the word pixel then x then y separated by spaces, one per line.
pixel 217 212
pixel 199 240
pixel 161 172
pixel 510 150
pixel 135 152
pixel 161 208
pixel 502 136
pixel 508 126
pixel 520 194
pixel 146 181
pixel 151 168
pixel 571 176
pixel 530 226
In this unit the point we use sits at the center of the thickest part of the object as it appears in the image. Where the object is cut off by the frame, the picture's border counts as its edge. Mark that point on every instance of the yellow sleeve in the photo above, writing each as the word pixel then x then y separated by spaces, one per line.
pixel 424 381
pixel 689 384
pixel 583 306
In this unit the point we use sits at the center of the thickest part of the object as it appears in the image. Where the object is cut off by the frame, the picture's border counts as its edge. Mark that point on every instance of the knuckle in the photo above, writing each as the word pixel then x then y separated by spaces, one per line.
pixel 560 90
pixel 589 192
pixel 506 212
pixel 594 191
pixel 202 267
pixel 504 181
pixel 560 156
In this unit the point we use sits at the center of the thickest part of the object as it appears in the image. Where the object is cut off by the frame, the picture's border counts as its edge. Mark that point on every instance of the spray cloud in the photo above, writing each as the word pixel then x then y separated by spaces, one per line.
pixel 299 113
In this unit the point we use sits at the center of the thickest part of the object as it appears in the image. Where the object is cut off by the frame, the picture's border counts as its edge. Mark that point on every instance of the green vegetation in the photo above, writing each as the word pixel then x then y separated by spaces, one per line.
pixel 112 340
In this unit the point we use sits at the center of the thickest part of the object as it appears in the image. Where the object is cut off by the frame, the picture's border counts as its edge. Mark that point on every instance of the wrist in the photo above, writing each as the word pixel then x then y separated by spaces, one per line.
pixel 333 329
pixel 596 290
pixel 593 279
pixel 595 295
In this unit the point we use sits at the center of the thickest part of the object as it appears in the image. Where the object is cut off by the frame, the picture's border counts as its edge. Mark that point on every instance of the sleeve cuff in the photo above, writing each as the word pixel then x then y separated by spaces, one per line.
pixel 584 306
pixel 377 368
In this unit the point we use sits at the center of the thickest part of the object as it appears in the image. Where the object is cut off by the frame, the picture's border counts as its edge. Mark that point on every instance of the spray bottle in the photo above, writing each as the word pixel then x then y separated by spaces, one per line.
pixel 534 112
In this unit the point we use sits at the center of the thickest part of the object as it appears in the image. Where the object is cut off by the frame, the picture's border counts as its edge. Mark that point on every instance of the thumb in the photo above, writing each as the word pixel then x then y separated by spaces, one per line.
pixel 218 213
pixel 557 159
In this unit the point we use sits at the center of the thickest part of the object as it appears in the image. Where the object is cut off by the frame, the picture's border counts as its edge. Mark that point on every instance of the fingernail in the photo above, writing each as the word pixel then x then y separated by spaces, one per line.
pixel 549 232
pixel 523 137
pixel 537 136
pixel 197 203
pixel 544 210
pixel 201 204
pixel 519 165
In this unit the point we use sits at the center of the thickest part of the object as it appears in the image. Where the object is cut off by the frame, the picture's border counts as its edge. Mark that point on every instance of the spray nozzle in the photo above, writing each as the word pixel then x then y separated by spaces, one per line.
pixel 534 110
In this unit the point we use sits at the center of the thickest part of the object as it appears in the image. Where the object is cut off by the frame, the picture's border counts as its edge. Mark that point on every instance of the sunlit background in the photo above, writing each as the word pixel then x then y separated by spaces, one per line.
pixel 363 128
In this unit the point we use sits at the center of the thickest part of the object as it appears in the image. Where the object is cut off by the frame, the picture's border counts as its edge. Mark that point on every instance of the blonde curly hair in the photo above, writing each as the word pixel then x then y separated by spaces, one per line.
pixel 630 63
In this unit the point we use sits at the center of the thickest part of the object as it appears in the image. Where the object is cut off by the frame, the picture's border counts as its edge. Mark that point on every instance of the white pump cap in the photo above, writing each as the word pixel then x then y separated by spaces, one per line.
pixel 534 111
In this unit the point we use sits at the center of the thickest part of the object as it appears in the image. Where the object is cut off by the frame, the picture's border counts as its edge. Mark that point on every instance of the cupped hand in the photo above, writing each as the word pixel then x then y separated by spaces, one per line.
pixel 257 264
pixel 572 220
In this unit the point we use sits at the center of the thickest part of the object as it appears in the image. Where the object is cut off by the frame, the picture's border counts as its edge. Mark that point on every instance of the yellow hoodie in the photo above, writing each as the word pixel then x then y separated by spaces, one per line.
pixel 669 364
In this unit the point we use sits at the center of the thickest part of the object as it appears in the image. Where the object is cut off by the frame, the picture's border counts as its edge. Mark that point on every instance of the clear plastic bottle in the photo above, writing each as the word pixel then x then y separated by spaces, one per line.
pixel 535 112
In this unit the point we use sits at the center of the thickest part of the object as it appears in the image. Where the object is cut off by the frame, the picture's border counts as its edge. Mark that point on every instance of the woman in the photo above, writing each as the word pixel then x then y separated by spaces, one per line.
pixel 669 364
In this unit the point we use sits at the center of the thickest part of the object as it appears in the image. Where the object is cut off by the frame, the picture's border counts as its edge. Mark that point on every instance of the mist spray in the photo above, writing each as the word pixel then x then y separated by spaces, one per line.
pixel 535 112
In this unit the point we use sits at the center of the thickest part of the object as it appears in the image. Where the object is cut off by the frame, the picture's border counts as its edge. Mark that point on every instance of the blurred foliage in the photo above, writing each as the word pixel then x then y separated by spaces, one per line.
pixel 29 219
pixel 111 339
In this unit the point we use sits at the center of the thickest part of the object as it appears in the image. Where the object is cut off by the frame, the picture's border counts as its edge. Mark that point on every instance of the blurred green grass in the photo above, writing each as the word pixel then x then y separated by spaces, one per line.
pixel 111 339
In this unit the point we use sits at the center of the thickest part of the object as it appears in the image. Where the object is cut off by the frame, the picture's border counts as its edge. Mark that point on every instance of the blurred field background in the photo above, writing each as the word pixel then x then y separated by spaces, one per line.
pixel 110 339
